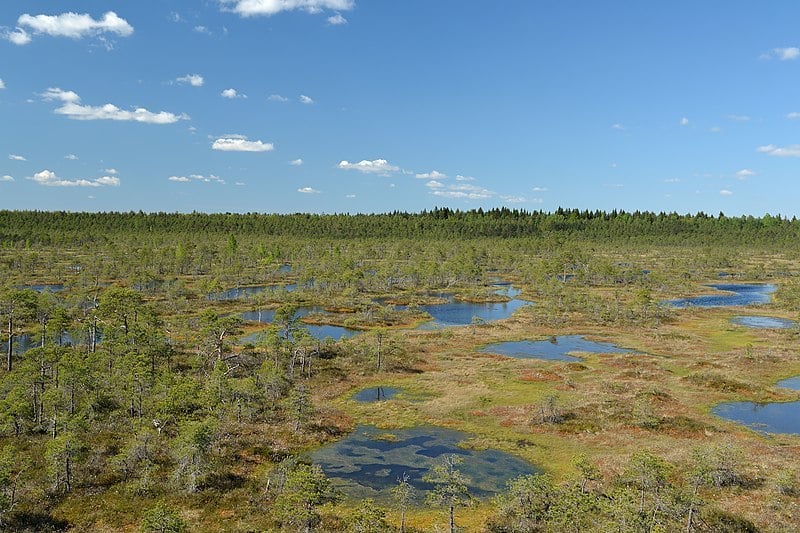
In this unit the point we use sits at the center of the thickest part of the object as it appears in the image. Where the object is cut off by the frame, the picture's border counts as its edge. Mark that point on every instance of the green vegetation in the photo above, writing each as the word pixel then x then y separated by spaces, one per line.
pixel 136 405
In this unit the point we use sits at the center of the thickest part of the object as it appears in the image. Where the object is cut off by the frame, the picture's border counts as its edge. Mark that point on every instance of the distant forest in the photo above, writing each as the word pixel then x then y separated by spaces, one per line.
pixel 60 227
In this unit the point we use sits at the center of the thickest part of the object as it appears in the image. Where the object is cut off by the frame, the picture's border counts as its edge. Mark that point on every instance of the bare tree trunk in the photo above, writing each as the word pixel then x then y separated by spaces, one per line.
pixel 10 343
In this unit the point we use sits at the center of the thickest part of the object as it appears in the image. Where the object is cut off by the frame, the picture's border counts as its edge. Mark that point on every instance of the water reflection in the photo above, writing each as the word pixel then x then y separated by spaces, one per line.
pixel 369 461
pixel 777 417
pixel 739 294
pixel 553 349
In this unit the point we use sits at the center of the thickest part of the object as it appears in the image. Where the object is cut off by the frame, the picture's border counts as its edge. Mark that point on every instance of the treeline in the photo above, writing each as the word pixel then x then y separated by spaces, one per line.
pixel 60 227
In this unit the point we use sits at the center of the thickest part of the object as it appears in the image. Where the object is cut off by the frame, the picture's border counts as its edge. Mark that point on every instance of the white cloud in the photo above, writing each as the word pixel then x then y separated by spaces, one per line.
pixel 50 179
pixel 112 171
pixel 618 127
pixel 72 108
pixel 786 54
pixel 349 195
pixel 794 115
pixel 277 98
pixel 239 183
pixel 6 178
pixel 793 150
pixel 433 184
pixel 726 192
pixel 672 180
pixel 337 20
pixel 684 121
pixel 515 199
pixel 71 25
pixel 201 29
pixel 465 191
pixel 432 175
pixel 108 180
pixel 15 157
pixel 19 36
pixel 715 129
pixel 539 189
pixel 296 162
pixel 2 84
pixel 71 157
pixel 745 173
pixel 464 178
pixel 306 99
pixel 195 80
pixel 251 8
pixel 308 190
pixel 238 143
pixel 211 178
pixel 231 94
pixel 376 166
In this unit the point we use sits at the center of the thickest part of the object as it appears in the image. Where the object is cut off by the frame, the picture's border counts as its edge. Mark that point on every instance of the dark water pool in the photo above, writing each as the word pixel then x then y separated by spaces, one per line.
pixel 376 394
pixel 553 349
pixel 733 294
pixel 777 417
pixel 368 462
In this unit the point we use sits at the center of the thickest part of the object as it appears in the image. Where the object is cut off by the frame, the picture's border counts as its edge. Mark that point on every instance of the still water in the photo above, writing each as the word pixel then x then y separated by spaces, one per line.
pixel 553 349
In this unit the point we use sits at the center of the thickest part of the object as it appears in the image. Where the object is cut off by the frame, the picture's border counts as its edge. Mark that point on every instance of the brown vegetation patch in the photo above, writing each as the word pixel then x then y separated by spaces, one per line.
pixel 716 381
pixel 539 375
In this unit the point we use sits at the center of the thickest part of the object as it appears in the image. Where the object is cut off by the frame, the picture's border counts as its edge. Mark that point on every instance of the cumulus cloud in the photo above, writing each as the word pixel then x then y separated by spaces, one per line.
pixel 251 8
pixel 277 98
pixel 211 178
pixel 201 29
pixel 349 195
pixel 195 80
pixel 464 178
pixel 112 171
pixel 376 166
pixel 337 20
pixel 684 121
pixel 232 94
pixel 6 178
pixel 50 179
pixel 71 25
pixel 2 84
pixel 433 184
pixel 432 175
pixel 71 157
pixel 539 189
pixel 296 162
pixel 726 192
pixel 239 143
pixel 308 190
pixel 793 150
pixel 15 157
pixel 72 108
pixel 18 36
pixel 745 173
pixel 306 99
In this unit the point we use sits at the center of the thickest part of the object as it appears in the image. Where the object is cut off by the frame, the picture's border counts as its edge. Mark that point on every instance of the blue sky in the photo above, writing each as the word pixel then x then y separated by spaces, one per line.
pixel 333 106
